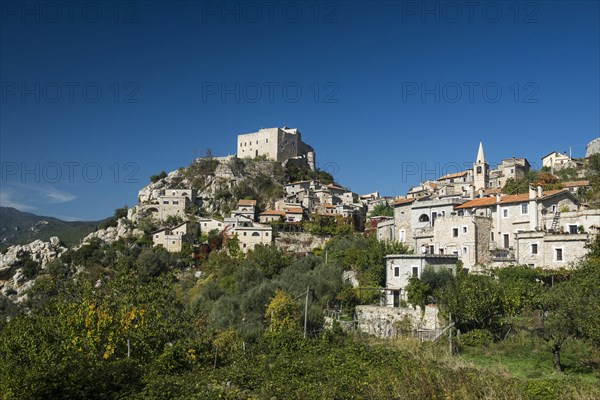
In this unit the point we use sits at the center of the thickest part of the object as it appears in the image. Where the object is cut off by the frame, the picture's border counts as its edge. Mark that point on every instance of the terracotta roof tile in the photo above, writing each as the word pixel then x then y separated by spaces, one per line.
pixel 247 203
pixel 575 183
pixel 507 199
pixel 456 175
pixel 402 201
pixel 272 212
pixel 481 202
pixel 294 210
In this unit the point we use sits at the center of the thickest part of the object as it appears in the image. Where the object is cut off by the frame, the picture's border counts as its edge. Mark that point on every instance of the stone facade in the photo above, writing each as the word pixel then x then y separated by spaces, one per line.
pixel 401 267
pixel 173 202
pixel 277 144
pixel 209 224
pixel 384 321
pixel 547 250
pixel 249 232
pixel 593 147
pixel 172 239
pixel 556 161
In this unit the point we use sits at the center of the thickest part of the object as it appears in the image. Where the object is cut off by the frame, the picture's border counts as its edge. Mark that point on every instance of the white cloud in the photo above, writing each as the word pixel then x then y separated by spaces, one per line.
pixel 48 193
pixel 9 198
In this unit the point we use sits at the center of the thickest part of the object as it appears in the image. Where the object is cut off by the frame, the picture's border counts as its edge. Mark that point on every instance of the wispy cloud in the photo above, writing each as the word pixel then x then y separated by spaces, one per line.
pixel 57 196
pixel 32 197
pixel 45 194
pixel 9 198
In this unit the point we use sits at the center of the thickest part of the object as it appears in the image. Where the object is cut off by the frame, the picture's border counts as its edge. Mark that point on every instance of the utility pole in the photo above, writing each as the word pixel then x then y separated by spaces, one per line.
pixel 450 332
pixel 306 311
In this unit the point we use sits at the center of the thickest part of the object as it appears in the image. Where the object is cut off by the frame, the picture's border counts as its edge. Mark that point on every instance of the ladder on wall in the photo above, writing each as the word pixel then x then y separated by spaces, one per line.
pixel 555 222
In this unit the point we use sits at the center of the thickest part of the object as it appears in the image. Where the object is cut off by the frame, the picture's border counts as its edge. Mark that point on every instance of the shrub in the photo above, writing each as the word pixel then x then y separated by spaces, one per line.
pixel 476 338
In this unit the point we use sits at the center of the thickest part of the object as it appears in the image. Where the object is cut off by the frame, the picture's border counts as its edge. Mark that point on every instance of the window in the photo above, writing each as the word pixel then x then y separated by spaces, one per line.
pixel 524 208
pixel 464 229
pixel 492 236
pixel 267 141
pixel 505 213
pixel 266 233
pixel 255 234
pixel 553 208
pixel 479 169
pixel 465 251
pixel 506 240
pixel 244 233
pixel 166 202
pixel 534 248
pixel 396 271
pixel 175 202
pixel 402 235
pixel 244 245
pixel 415 271
pixel 396 294
pixel 572 229
pixel 558 254
pixel 454 232
pixel 424 218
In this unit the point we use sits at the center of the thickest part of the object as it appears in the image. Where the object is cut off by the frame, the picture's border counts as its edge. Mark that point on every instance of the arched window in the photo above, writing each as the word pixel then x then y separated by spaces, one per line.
pixel 255 234
pixel 424 218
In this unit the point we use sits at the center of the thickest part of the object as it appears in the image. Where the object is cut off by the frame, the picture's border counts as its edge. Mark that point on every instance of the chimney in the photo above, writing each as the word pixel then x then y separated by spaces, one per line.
pixel 471 192
pixel 531 192
pixel 539 191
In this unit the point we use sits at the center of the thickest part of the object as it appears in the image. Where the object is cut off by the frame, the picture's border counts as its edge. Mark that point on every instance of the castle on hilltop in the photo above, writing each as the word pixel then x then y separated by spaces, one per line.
pixel 277 144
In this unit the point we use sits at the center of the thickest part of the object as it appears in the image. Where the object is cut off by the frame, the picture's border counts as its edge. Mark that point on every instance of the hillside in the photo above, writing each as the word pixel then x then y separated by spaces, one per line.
pixel 221 181
pixel 18 227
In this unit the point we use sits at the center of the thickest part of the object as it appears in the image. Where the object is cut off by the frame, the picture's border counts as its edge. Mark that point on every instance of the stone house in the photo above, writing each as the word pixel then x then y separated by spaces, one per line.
pixel 277 144
pixel 245 208
pixel 172 239
pixel 271 216
pixel 575 186
pixel 520 221
pixel 325 209
pixel 209 224
pixel 556 161
pixel 509 168
pixel 385 229
pixel 463 236
pixel 249 232
pixel 399 268
pixel 173 202
pixel 294 214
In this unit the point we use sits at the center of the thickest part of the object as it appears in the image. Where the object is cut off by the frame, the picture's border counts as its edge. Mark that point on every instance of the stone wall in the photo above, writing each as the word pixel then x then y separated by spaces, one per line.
pixel 381 321
pixel 593 147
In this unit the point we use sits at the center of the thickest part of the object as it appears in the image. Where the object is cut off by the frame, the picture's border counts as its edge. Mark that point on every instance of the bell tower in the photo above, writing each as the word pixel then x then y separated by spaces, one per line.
pixel 481 170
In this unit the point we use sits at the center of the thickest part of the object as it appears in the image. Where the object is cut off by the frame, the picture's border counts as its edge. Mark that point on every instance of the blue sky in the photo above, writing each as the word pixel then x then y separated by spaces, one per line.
pixel 98 96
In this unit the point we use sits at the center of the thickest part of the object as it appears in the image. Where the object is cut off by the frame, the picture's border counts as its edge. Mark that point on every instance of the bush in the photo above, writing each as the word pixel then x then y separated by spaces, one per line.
pixel 476 338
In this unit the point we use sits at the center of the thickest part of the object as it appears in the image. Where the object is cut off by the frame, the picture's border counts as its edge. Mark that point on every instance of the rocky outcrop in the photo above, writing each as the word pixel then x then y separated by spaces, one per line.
pixel 298 242
pixel 124 229
pixel 13 282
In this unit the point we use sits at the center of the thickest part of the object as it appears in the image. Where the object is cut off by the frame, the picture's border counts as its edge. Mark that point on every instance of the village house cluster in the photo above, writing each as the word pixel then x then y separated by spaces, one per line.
pixel 311 197
pixel 241 223
pixel 464 216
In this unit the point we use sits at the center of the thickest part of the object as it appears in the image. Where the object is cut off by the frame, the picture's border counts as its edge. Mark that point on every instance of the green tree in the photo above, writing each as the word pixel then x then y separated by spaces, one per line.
pixel 282 313
pixel 382 209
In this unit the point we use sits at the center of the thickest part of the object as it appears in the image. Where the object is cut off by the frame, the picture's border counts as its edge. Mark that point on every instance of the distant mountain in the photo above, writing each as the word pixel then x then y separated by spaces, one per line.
pixel 18 227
